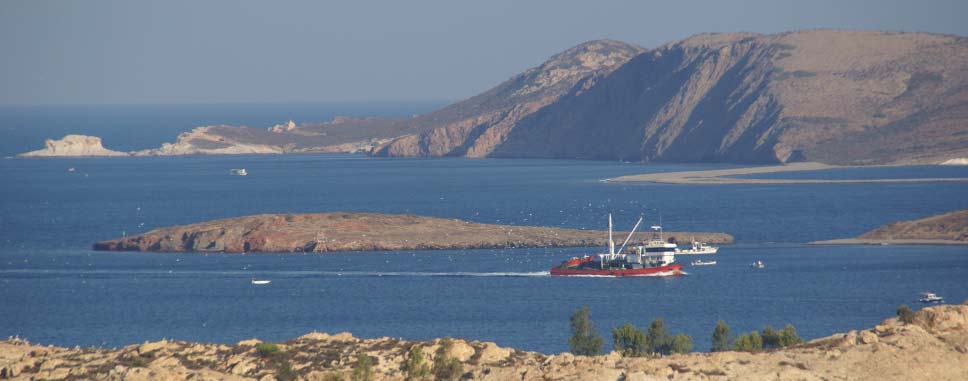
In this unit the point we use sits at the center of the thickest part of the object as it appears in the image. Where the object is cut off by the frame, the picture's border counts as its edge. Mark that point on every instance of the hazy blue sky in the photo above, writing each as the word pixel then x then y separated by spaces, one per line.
pixel 227 51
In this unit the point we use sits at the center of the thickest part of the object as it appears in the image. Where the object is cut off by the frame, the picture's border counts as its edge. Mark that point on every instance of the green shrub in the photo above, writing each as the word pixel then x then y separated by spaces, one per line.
pixel 415 369
pixel 771 337
pixel 788 336
pixel 659 339
pixel 682 344
pixel 905 315
pixel 446 368
pixel 750 342
pixel 267 349
pixel 722 339
pixel 584 340
pixel 630 341
pixel 363 370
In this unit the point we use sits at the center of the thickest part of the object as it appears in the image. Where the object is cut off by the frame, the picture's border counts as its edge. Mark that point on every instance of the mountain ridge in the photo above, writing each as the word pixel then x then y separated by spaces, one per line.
pixel 821 95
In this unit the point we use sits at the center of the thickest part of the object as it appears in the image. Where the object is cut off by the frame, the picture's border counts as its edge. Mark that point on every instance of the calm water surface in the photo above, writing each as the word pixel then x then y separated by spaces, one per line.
pixel 55 290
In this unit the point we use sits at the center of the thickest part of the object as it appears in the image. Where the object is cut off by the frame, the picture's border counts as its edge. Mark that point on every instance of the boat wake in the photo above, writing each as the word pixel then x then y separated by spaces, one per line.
pixel 277 273
pixel 458 274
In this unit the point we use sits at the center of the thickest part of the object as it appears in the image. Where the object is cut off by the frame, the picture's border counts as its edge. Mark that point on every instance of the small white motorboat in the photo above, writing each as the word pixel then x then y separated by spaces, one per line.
pixel 757 265
pixel 703 263
pixel 238 172
pixel 261 281
pixel 930 297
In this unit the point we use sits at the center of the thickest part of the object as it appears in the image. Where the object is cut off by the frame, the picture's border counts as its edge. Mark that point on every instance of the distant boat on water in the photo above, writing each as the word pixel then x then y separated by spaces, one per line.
pixel 703 263
pixel 238 172
pixel 930 297
pixel 757 265
pixel 261 281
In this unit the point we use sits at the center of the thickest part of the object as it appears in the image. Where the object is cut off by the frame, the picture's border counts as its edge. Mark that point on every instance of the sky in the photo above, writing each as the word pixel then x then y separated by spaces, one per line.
pixel 121 52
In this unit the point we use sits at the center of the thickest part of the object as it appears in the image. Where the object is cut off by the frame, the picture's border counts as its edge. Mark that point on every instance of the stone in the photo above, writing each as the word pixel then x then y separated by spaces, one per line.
pixel 867 337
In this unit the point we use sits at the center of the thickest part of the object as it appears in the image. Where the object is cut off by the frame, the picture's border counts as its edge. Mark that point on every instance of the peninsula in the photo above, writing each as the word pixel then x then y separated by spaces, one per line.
pixel 933 346
pixel 943 229
pixel 334 232
pixel 729 176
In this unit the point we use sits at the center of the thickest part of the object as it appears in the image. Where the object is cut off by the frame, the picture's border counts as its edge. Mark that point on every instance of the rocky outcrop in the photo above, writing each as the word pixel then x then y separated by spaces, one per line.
pixel 329 232
pixel 206 141
pixel 837 97
pixel 73 146
pixel 949 226
pixel 934 347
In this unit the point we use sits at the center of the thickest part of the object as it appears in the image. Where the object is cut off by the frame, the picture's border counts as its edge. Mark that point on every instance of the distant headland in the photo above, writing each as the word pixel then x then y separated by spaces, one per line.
pixel 943 229
pixel 830 96
pixel 335 232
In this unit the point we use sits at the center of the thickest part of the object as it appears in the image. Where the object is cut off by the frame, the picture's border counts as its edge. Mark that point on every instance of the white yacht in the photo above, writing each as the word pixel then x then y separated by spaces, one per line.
pixel 930 297
pixel 238 172
pixel 698 248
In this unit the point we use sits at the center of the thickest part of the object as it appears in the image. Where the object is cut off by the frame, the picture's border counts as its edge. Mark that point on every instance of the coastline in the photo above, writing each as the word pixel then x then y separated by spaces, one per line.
pixel 718 176
pixel 890 350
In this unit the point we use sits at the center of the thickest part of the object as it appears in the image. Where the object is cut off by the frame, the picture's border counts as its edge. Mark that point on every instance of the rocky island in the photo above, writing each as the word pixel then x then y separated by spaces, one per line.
pixel 943 229
pixel 73 146
pixel 831 96
pixel 333 232
pixel 932 346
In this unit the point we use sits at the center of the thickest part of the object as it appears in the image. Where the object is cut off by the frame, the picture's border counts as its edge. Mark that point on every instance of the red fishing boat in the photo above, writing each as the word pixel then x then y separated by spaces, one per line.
pixel 655 259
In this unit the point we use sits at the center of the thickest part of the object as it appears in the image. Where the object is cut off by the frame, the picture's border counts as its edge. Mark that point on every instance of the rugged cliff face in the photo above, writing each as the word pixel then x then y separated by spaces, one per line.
pixel 821 95
pixel 473 127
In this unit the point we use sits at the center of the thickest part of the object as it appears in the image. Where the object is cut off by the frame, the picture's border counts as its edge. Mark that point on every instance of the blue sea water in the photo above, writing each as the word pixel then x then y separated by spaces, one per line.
pixel 55 290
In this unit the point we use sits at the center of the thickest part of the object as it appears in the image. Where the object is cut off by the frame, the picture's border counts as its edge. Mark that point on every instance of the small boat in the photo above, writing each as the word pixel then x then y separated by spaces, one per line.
pixel 238 172
pixel 703 263
pixel 261 281
pixel 757 265
pixel 71 169
pixel 930 297
pixel 698 248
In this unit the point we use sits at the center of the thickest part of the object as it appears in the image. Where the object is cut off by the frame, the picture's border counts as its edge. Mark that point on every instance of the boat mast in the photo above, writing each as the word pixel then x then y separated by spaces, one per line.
pixel 611 242
pixel 622 249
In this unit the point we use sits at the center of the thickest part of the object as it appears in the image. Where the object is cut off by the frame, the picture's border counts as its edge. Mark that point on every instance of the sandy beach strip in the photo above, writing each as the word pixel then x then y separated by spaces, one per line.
pixel 718 176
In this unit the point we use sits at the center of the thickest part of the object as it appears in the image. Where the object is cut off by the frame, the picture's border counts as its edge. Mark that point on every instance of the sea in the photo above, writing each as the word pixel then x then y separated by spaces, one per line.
pixel 55 290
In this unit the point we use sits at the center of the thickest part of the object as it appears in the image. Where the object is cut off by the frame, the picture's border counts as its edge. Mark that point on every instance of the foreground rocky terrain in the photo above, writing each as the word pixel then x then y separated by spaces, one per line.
pixel 933 347
pixel 829 96
pixel 949 228
pixel 329 232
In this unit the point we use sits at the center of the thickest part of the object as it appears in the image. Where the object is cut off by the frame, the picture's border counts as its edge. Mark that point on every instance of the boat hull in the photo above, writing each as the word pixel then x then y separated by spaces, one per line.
pixel 670 270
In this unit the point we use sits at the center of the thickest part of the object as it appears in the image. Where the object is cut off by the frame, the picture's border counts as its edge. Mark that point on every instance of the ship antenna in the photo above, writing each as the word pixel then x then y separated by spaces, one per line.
pixel 621 249
pixel 611 242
